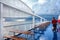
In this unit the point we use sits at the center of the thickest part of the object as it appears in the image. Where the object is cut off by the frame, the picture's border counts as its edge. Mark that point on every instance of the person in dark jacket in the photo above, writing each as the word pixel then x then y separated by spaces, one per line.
pixel 54 23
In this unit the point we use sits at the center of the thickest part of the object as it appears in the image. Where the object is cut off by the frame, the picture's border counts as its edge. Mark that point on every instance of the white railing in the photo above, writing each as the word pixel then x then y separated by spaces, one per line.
pixel 23 26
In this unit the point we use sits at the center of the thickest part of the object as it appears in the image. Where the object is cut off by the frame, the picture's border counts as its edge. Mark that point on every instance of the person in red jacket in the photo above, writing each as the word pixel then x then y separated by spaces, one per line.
pixel 54 23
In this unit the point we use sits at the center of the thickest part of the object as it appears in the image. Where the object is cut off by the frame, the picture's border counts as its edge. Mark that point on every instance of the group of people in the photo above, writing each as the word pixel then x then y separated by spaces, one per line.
pixel 54 23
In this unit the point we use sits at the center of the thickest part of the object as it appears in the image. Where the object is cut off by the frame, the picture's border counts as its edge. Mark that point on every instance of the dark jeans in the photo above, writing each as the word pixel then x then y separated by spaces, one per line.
pixel 54 27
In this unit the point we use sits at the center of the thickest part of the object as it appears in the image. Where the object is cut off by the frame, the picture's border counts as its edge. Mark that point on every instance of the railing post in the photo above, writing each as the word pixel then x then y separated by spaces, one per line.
pixel 41 20
pixel 1 29
pixel 25 27
pixel 33 21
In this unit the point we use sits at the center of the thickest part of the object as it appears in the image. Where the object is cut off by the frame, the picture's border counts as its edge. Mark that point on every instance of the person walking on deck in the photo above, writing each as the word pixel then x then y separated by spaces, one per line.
pixel 54 23
pixel 59 23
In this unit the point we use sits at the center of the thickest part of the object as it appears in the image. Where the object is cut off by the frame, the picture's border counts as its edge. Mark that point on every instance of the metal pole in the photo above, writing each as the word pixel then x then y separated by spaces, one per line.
pixel 1 8
pixel 33 20
pixel 41 20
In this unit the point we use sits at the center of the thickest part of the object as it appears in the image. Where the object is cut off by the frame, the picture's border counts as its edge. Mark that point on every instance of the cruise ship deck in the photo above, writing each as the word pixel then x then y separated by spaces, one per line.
pixel 48 34
pixel 29 20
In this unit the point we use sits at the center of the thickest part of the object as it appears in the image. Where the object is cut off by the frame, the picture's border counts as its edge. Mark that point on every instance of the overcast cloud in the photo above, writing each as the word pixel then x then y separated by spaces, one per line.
pixel 44 6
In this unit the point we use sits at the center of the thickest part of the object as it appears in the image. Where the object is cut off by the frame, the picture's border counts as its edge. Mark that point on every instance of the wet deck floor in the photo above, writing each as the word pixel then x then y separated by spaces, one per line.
pixel 48 34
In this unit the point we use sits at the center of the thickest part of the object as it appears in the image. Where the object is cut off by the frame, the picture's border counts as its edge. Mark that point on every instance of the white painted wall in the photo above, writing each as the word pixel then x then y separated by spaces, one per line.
pixel 13 8
pixel 11 12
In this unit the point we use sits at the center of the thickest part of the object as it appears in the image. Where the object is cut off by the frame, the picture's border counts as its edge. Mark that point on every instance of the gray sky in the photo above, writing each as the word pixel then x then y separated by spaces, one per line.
pixel 44 6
